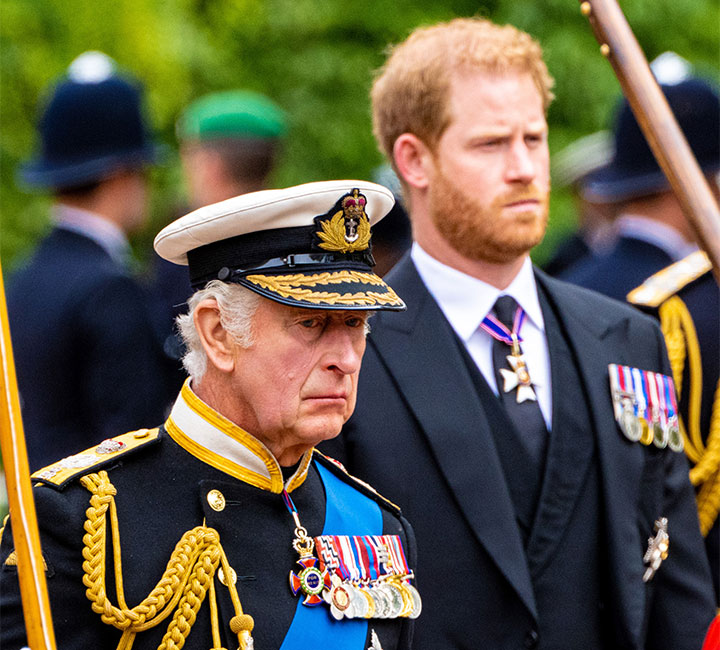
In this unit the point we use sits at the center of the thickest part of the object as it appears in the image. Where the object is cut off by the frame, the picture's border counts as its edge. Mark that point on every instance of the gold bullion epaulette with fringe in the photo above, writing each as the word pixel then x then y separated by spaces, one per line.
pixel 364 487
pixel 659 287
pixel 63 471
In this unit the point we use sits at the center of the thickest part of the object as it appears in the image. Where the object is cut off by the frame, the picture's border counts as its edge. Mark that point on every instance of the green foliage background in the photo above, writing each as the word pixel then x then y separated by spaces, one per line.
pixel 313 57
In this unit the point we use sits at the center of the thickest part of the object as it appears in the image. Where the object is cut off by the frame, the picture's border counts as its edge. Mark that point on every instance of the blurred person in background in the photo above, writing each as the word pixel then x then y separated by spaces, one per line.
pixel 654 264
pixel 652 231
pixel 595 231
pixel 229 144
pixel 392 237
pixel 78 317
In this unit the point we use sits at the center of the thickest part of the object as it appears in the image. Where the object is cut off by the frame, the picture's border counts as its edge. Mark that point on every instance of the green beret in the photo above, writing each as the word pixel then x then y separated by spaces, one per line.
pixel 232 114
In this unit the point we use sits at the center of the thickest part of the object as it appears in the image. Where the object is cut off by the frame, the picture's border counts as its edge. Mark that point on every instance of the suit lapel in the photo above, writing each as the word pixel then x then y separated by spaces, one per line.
pixel 595 343
pixel 419 351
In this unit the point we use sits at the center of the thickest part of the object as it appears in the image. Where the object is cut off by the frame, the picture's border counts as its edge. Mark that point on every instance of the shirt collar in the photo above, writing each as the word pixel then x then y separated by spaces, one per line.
pixel 102 231
pixel 465 300
pixel 211 437
pixel 664 237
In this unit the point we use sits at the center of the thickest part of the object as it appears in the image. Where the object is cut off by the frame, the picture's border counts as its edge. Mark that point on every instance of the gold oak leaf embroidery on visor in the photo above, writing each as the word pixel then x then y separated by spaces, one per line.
pixel 297 287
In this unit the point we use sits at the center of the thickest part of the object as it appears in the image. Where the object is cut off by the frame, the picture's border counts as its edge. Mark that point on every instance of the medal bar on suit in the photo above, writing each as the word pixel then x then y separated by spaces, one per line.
pixel 645 406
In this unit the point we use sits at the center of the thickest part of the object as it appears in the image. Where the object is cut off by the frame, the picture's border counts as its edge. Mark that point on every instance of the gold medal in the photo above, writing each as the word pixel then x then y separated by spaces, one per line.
pixel 363 592
pixel 646 437
pixel 407 599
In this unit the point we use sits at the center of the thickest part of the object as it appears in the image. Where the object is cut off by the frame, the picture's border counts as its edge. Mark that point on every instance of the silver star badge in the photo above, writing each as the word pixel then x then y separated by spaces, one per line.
pixel 518 378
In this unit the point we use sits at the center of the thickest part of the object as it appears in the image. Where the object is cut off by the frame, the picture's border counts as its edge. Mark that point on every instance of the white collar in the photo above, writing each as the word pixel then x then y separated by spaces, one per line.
pixel 211 437
pixel 465 300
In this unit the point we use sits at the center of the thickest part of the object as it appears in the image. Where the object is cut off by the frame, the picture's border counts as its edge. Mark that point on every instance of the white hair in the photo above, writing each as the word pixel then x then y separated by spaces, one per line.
pixel 236 305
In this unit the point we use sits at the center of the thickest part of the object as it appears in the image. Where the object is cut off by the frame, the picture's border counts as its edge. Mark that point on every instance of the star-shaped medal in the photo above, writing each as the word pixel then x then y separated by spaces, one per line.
pixel 518 377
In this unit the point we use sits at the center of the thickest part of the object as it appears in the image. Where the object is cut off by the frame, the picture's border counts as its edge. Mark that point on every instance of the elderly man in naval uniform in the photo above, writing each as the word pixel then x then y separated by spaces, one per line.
pixel 224 526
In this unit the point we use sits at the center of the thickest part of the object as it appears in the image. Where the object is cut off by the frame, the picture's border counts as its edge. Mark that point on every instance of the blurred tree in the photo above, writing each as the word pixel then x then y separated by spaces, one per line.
pixel 314 58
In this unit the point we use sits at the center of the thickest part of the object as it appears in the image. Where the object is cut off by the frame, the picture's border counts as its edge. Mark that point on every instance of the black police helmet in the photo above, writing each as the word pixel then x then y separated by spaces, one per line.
pixel 633 172
pixel 92 124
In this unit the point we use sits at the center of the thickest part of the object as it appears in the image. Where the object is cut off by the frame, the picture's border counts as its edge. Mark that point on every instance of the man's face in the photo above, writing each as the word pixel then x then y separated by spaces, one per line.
pixel 490 178
pixel 296 384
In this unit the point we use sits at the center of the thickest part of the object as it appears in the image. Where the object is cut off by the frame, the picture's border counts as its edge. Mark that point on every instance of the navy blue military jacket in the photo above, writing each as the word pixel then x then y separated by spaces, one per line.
pixel 168 482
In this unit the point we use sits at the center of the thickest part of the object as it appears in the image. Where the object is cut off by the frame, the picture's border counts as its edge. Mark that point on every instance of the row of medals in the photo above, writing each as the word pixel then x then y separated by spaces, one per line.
pixel 388 597
pixel 637 429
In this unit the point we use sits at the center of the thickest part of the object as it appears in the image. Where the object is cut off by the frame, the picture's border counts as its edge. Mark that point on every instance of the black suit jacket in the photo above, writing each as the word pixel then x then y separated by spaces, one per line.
pixel 420 435
pixel 87 362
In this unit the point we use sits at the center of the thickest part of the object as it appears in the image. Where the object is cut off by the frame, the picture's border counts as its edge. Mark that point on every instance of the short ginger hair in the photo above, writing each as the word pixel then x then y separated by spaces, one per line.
pixel 410 92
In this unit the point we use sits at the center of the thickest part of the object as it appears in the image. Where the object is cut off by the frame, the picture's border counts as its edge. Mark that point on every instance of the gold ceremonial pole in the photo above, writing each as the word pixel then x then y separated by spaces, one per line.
pixel 33 589
pixel 658 124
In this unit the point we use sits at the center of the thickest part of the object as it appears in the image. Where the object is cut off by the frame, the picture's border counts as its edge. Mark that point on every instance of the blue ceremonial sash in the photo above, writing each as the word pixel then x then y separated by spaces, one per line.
pixel 347 512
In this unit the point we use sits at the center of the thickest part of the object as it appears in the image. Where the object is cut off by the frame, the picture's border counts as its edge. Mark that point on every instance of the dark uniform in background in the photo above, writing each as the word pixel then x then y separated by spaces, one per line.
pixel 652 231
pixel 209 532
pixel 79 320
pixel 594 233
pixel 686 299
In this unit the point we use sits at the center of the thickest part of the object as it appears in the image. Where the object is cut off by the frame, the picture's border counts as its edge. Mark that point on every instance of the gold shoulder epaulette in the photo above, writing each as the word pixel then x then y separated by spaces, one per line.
pixel 61 472
pixel 366 486
pixel 659 287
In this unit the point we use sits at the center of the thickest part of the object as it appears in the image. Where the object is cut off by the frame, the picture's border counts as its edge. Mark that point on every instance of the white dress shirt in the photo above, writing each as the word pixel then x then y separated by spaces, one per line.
pixel 466 301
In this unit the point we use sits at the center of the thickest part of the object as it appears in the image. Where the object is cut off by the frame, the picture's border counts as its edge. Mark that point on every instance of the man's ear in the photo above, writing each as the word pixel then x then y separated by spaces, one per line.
pixel 412 159
pixel 215 339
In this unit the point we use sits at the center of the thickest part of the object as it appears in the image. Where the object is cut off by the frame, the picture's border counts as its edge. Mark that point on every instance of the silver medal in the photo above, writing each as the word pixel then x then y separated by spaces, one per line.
pixel 674 437
pixel 417 601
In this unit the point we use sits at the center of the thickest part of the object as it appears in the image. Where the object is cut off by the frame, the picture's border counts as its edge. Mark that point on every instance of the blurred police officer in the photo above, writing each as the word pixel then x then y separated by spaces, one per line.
pixel 80 330
pixel 595 231
pixel 212 513
pixel 652 230
pixel 229 144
